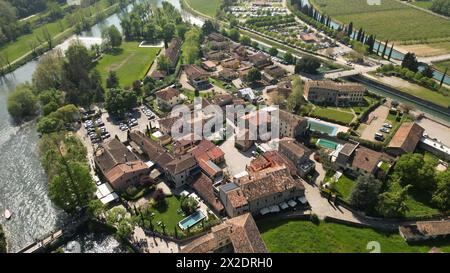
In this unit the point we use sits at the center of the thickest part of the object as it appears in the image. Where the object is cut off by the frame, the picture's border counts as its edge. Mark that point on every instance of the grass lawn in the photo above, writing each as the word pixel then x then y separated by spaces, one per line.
pixel 294 236
pixel 388 20
pixel 208 7
pixel 344 187
pixel 333 114
pixel 168 214
pixel 130 62
pixel 425 4
pixel 21 46
pixel 441 66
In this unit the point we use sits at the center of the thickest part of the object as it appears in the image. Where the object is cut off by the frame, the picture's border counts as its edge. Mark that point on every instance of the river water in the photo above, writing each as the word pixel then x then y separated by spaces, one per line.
pixel 23 183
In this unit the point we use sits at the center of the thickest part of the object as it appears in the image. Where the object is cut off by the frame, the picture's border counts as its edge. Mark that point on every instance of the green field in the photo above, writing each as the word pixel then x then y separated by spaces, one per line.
pixel 441 66
pixel 333 114
pixel 291 236
pixel 391 20
pixel 21 46
pixel 208 7
pixel 130 62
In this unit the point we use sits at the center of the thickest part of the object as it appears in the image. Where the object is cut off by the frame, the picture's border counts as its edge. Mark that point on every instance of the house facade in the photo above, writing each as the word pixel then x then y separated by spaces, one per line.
pixel 332 93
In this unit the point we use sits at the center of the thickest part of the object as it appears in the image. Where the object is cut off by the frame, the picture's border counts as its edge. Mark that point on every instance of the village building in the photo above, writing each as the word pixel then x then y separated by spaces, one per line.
pixel 119 166
pixel 209 65
pixel 231 63
pixel 244 140
pixel 405 139
pixel 333 93
pixel 158 75
pixel 197 77
pixel 292 126
pixel 273 73
pixel 261 190
pixel 167 98
pixel 260 60
pixel 271 159
pixel 173 52
pixel 214 55
pixel 309 38
pixel 227 74
pixel 204 187
pixel 235 235
pixel 283 88
pixel 298 154
pixel 425 230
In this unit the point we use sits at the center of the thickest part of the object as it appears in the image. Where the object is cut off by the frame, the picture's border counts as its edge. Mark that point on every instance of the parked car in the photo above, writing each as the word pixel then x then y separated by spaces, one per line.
pixel 387 125
pixel 384 130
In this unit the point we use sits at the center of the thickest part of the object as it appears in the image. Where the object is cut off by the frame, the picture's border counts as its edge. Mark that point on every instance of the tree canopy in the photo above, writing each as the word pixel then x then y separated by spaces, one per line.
pixel 22 103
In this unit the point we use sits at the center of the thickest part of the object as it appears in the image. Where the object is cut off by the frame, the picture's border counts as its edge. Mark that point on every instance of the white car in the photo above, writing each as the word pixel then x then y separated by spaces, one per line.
pixel 387 125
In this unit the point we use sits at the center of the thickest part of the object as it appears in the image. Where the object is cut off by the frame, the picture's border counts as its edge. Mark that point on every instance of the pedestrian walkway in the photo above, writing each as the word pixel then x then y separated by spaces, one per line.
pixel 153 244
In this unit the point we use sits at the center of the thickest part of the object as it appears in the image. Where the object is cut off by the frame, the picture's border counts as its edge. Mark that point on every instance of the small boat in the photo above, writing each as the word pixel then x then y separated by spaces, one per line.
pixel 7 214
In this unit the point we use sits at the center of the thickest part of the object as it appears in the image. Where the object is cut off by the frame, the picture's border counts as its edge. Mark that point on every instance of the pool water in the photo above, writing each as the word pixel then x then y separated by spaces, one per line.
pixel 325 143
pixel 322 127
pixel 191 220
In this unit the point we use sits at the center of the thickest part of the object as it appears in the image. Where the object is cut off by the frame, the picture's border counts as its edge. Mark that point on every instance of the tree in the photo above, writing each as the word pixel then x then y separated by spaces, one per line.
pixel 364 195
pixel 50 124
pixel 72 187
pixel 273 51
pixel 410 62
pixel 392 203
pixel 168 31
pixel 253 75
pixel 234 34
pixel 427 71
pixel 112 36
pixel 163 63
pixel 307 64
pixel 208 27
pixel 49 73
pixel 412 169
pixel 96 208
pixel 441 197
pixel 245 40
pixel 22 103
pixel 112 81
pixel 295 99
pixel 119 101
pixel 191 46
pixel 289 58
pixel 188 205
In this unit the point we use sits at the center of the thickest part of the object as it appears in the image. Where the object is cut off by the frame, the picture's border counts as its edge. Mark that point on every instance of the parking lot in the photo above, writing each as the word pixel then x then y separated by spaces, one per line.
pixel 96 130
pixel 379 118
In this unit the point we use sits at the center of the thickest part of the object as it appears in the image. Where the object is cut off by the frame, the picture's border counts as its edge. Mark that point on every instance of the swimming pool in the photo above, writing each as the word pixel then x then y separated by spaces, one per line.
pixel 191 220
pixel 325 143
pixel 325 128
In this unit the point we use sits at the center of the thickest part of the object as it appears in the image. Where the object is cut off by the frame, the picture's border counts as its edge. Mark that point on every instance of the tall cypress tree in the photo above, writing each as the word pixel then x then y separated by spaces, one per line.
pixel 384 49
pixel 350 29
pixel 390 52
pixel 358 36
pixel 443 77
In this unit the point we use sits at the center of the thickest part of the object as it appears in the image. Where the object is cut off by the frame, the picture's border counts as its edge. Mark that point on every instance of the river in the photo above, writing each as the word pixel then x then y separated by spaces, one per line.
pixel 23 183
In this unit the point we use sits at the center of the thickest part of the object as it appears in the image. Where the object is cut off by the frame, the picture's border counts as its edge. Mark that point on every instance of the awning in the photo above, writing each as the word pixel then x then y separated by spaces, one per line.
pixel 284 205
pixel 109 198
pixel 303 200
pixel 274 208
pixel 292 203
pixel 264 211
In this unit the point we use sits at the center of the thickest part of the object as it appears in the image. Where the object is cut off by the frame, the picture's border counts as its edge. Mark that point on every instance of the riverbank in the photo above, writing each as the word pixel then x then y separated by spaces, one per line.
pixel 19 52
